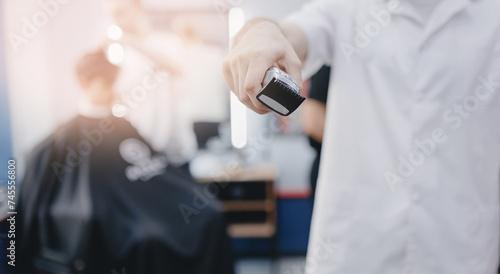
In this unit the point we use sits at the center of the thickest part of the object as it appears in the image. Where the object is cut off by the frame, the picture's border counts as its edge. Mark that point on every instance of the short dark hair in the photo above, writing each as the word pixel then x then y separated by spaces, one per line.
pixel 96 64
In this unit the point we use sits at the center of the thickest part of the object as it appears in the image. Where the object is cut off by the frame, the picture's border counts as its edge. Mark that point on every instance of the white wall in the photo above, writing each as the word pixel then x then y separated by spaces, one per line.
pixel 40 76
pixel 42 86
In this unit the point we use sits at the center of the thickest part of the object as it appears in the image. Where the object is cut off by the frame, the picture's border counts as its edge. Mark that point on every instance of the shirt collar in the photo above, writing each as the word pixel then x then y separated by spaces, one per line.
pixel 443 13
pixel 440 16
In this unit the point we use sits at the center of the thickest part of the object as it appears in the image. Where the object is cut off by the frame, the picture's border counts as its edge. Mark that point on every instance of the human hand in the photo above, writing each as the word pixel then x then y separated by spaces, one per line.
pixel 259 46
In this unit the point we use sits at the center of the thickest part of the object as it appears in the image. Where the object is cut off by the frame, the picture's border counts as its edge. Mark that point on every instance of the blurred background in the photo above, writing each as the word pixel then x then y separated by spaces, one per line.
pixel 268 199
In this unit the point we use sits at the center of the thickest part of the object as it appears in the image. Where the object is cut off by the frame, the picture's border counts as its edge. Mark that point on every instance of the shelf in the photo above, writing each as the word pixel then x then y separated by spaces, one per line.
pixel 264 230
pixel 264 205
pixel 256 184
pixel 258 173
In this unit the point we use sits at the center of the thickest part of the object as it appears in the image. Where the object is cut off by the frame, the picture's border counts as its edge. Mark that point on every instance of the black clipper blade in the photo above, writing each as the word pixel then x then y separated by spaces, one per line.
pixel 280 93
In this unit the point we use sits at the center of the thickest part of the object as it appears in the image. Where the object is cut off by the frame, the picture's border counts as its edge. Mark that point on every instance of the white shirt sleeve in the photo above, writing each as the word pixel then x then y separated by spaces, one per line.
pixel 318 20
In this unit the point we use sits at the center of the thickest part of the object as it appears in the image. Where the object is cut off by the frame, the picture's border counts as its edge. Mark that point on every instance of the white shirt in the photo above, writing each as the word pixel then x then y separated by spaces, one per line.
pixel 410 168
pixel 425 7
pixel 155 102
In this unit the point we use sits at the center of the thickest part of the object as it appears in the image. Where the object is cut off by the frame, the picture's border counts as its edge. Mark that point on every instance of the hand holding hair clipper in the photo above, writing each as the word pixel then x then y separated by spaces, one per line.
pixel 262 45
pixel 280 92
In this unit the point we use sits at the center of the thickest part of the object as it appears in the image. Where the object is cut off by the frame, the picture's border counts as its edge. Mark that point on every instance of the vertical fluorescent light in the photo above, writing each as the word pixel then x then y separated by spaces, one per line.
pixel 238 110
pixel 238 123
pixel 236 21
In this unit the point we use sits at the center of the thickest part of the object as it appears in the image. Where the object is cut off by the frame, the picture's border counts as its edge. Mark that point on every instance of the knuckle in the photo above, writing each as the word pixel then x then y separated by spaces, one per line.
pixel 262 111
pixel 243 98
pixel 226 65
pixel 257 54
pixel 233 63
pixel 250 87
pixel 240 59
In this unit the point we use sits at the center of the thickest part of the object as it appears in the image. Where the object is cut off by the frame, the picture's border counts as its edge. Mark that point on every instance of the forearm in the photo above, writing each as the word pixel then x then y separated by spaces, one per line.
pixel 296 36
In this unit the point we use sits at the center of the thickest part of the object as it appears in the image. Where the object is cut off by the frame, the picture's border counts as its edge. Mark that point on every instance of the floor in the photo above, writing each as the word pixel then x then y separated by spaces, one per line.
pixel 286 265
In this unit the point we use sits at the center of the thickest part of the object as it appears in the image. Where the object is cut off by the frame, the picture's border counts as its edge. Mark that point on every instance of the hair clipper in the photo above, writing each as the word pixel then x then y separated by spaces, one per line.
pixel 280 92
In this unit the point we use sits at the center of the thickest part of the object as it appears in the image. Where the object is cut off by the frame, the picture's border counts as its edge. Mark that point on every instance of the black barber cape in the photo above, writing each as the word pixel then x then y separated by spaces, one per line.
pixel 97 199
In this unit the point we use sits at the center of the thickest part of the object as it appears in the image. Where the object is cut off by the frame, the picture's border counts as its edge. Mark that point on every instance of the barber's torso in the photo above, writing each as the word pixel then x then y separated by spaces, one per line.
pixel 409 175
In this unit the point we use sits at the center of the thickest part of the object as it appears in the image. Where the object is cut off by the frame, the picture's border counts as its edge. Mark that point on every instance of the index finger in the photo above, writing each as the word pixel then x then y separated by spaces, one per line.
pixel 253 81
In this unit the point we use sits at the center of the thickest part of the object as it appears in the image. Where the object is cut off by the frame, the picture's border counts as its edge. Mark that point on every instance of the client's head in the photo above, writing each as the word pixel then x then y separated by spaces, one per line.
pixel 97 77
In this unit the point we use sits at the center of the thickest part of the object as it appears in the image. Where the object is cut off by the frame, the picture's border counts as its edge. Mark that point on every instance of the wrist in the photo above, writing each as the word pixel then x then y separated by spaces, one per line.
pixel 256 22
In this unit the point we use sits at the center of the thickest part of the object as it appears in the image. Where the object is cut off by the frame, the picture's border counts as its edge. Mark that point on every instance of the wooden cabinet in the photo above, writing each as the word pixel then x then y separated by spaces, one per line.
pixel 248 200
